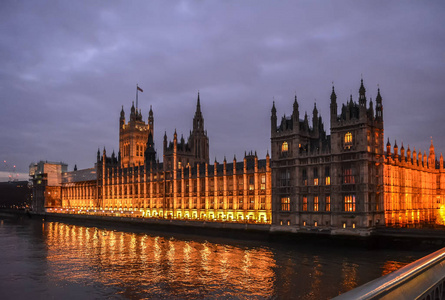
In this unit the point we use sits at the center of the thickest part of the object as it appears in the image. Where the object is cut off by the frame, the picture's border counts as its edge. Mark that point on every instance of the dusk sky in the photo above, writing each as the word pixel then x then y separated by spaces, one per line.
pixel 67 67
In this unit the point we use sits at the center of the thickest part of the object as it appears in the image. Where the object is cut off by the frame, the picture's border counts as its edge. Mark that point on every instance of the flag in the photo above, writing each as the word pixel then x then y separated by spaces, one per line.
pixel 139 89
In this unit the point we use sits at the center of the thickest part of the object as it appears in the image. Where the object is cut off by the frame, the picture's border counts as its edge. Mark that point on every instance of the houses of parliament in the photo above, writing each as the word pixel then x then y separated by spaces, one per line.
pixel 347 182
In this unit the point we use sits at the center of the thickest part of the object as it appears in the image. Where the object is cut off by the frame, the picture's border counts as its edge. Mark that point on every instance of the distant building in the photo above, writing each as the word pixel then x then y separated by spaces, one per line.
pixel 15 194
pixel 46 178
pixel 342 183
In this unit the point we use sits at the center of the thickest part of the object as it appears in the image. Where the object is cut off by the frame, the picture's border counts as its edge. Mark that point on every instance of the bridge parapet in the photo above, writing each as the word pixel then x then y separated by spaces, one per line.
pixel 423 279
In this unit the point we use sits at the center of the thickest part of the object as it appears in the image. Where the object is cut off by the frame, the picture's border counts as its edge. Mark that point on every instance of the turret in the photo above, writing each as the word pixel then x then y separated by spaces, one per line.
pixel 378 107
pixel 151 121
pixel 432 156
pixel 315 119
pixel 402 153
pixel 441 161
pixel 396 151
pixel 273 118
pixel 362 96
pixel 333 106
pixel 133 112
pixel 388 149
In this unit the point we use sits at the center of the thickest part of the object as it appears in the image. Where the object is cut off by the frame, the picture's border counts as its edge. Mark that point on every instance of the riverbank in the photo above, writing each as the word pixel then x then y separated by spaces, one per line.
pixel 381 238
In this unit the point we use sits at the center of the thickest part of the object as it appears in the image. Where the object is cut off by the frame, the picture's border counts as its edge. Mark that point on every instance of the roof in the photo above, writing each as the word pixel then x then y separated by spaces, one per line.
pixel 80 175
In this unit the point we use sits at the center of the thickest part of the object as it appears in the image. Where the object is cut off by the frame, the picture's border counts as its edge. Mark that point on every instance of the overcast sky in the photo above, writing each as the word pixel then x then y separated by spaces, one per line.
pixel 67 67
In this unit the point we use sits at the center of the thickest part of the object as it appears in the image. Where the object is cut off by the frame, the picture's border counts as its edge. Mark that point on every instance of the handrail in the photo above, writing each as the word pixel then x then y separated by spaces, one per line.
pixel 389 283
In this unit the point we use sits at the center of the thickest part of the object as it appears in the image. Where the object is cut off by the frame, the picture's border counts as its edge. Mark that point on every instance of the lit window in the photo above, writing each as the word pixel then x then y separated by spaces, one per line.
pixel 315 223
pixel 304 203
pixel 284 147
pixel 316 203
pixel 353 225
pixel 179 165
pixel 288 223
pixel 328 203
pixel 344 224
pixel 348 138
pixel 315 181
pixel 327 174
pixel 263 182
pixel 304 223
pixel 285 204
pixel 349 201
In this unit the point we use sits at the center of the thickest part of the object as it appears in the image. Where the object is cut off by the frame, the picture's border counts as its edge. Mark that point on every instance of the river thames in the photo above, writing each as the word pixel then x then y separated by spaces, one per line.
pixel 53 260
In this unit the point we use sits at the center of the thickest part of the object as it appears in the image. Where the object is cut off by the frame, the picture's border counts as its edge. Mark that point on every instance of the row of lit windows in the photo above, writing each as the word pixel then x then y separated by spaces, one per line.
pixel 348 204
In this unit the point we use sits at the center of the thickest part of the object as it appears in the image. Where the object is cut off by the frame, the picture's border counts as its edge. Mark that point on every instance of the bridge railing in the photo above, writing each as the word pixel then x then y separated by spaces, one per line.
pixel 423 279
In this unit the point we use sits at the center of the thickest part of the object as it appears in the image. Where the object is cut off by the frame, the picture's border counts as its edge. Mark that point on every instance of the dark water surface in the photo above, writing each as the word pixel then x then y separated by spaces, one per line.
pixel 52 260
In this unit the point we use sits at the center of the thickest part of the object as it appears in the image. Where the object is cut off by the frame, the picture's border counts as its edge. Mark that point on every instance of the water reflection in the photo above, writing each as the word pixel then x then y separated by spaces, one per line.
pixel 90 262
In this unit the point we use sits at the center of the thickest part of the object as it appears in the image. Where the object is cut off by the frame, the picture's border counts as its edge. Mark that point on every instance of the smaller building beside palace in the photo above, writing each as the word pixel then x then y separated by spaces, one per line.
pixel 345 182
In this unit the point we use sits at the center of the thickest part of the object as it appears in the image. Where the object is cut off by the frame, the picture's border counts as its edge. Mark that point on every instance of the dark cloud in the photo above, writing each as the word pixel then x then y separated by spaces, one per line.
pixel 67 67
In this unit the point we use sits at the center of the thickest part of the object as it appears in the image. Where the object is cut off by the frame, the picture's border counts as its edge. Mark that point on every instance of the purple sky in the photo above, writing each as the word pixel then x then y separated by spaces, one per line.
pixel 67 67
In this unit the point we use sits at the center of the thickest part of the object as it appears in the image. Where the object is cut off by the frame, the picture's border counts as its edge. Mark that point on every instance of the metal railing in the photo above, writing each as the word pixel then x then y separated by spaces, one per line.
pixel 423 279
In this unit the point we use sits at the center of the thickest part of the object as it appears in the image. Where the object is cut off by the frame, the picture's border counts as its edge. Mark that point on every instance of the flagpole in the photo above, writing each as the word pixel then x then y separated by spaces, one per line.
pixel 137 90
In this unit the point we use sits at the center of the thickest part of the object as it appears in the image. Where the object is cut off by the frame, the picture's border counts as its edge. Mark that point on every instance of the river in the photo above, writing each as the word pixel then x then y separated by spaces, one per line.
pixel 53 260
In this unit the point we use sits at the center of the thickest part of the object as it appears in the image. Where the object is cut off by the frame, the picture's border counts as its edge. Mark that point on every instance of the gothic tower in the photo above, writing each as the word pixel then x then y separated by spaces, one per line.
pixel 134 138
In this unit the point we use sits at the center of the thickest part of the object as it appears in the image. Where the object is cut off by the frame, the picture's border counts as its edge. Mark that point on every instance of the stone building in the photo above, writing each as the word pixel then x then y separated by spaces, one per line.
pixel 344 182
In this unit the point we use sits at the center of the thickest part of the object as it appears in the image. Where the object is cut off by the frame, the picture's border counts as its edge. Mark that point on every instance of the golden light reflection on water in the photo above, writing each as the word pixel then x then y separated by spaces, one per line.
pixel 142 264
pixel 138 265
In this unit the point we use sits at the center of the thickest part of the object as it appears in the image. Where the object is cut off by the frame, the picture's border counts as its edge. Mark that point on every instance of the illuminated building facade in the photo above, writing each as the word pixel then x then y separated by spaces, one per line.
pixel 344 182
pixel 183 186
pixel 414 187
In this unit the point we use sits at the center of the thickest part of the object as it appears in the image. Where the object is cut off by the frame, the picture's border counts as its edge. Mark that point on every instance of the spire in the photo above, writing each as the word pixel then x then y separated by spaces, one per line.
pixel 198 105
pixel 362 89
pixel 274 110
pixel 75 167
pixel 198 120
pixel 122 113
pixel 333 96
pixel 150 113
pixel 295 103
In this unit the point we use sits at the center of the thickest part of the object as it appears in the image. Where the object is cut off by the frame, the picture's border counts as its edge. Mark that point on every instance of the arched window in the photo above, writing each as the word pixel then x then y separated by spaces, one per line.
pixel 284 147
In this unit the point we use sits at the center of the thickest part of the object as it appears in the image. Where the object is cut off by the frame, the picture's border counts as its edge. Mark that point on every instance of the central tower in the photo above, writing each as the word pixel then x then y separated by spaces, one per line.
pixel 135 138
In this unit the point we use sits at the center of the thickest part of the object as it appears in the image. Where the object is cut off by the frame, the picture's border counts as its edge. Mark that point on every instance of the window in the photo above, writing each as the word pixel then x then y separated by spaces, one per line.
pixel 315 176
pixel 348 140
pixel 285 178
pixel 315 223
pixel 284 147
pixel 263 182
pixel 348 177
pixel 327 174
pixel 251 183
pixel 262 203
pixel 349 201
pixel 179 165
pixel 327 203
pixel 251 203
pixel 285 204
pixel 304 176
pixel 304 203
pixel 316 203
